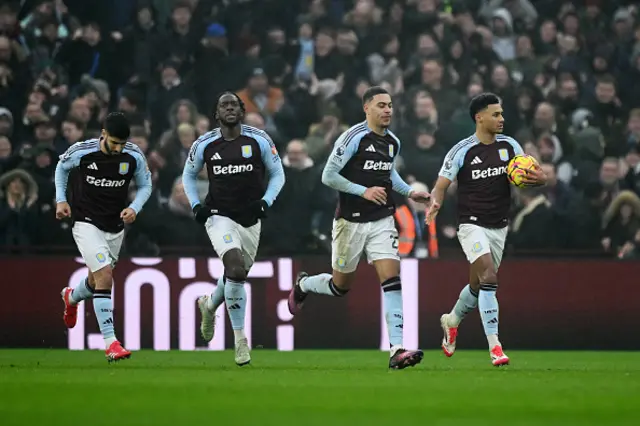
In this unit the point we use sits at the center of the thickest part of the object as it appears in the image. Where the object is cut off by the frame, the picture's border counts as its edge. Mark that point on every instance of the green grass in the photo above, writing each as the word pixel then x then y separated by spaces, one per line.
pixel 328 388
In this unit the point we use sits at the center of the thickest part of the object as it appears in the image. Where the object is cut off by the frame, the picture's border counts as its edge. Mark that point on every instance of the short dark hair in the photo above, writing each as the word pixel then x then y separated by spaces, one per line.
pixel 76 122
pixel 242 106
pixel 606 79
pixel 481 102
pixel 117 125
pixel 181 4
pixel 371 92
pixel 138 132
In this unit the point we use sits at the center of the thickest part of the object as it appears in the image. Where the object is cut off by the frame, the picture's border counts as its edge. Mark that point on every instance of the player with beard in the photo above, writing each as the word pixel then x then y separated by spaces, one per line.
pixel 479 164
pixel 239 159
pixel 99 192
pixel 361 169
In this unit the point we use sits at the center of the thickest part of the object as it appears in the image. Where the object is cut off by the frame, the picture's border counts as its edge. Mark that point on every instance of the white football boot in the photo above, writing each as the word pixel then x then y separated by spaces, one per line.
pixel 243 353
pixel 208 321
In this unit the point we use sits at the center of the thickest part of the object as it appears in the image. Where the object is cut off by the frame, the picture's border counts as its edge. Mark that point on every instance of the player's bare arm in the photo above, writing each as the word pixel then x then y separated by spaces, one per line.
pixel 437 197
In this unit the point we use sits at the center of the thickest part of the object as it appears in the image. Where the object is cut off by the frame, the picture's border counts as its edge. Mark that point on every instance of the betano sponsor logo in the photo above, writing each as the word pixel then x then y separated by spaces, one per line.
pixel 488 172
pixel 232 169
pixel 105 183
pixel 377 165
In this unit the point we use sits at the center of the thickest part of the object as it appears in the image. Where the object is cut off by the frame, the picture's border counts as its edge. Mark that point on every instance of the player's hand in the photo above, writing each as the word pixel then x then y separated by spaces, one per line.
pixel 420 196
pixel 534 177
pixel 376 194
pixel 63 210
pixel 202 213
pixel 128 215
pixel 431 212
pixel 258 209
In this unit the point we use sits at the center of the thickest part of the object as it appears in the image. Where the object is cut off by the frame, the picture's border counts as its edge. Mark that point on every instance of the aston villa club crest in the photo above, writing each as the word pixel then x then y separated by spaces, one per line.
pixel 246 151
pixel 504 154
pixel 124 168
pixel 391 151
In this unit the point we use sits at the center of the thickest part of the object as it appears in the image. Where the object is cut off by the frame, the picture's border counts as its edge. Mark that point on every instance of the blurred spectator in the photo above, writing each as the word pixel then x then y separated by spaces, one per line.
pixel 301 216
pixel 533 228
pixel 260 97
pixel 6 122
pixel 422 156
pixel 18 195
pixel 322 135
pixel 621 224
pixel 164 95
pixel 171 156
pixel 212 67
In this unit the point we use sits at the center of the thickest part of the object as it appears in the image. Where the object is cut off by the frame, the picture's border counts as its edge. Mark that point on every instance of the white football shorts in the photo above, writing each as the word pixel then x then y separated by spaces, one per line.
pixel 97 247
pixel 378 239
pixel 477 241
pixel 226 234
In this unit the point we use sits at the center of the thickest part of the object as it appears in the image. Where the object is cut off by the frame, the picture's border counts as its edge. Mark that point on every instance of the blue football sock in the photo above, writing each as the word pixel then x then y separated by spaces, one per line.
pixel 392 295
pixel 103 307
pixel 321 284
pixel 467 302
pixel 217 297
pixel 235 298
pixel 82 292
pixel 488 304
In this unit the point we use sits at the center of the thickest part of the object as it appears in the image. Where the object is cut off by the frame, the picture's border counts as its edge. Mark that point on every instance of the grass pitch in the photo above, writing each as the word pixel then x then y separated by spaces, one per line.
pixel 328 388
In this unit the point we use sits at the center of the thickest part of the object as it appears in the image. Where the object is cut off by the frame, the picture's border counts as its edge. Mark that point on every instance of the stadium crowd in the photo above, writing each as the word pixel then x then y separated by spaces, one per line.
pixel 568 73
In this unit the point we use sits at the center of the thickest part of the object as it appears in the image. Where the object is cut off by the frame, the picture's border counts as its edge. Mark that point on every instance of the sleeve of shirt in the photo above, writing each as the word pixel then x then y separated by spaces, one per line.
pixel 66 162
pixel 517 149
pixel 272 163
pixel 452 163
pixel 344 148
pixel 398 184
pixel 143 182
pixel 193 166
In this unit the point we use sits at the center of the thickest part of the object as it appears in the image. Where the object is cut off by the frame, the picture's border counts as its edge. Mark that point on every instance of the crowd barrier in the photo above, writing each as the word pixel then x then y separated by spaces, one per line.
pixel 544 304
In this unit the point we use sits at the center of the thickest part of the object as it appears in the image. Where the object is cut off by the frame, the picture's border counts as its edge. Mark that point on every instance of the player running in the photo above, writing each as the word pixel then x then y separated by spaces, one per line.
pixel 484 198
pixel 237 158
pixel 99 191
pixel 361 169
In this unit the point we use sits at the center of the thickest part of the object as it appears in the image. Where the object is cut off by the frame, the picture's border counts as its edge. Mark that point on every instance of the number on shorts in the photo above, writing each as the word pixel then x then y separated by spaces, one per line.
pixel 394 242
